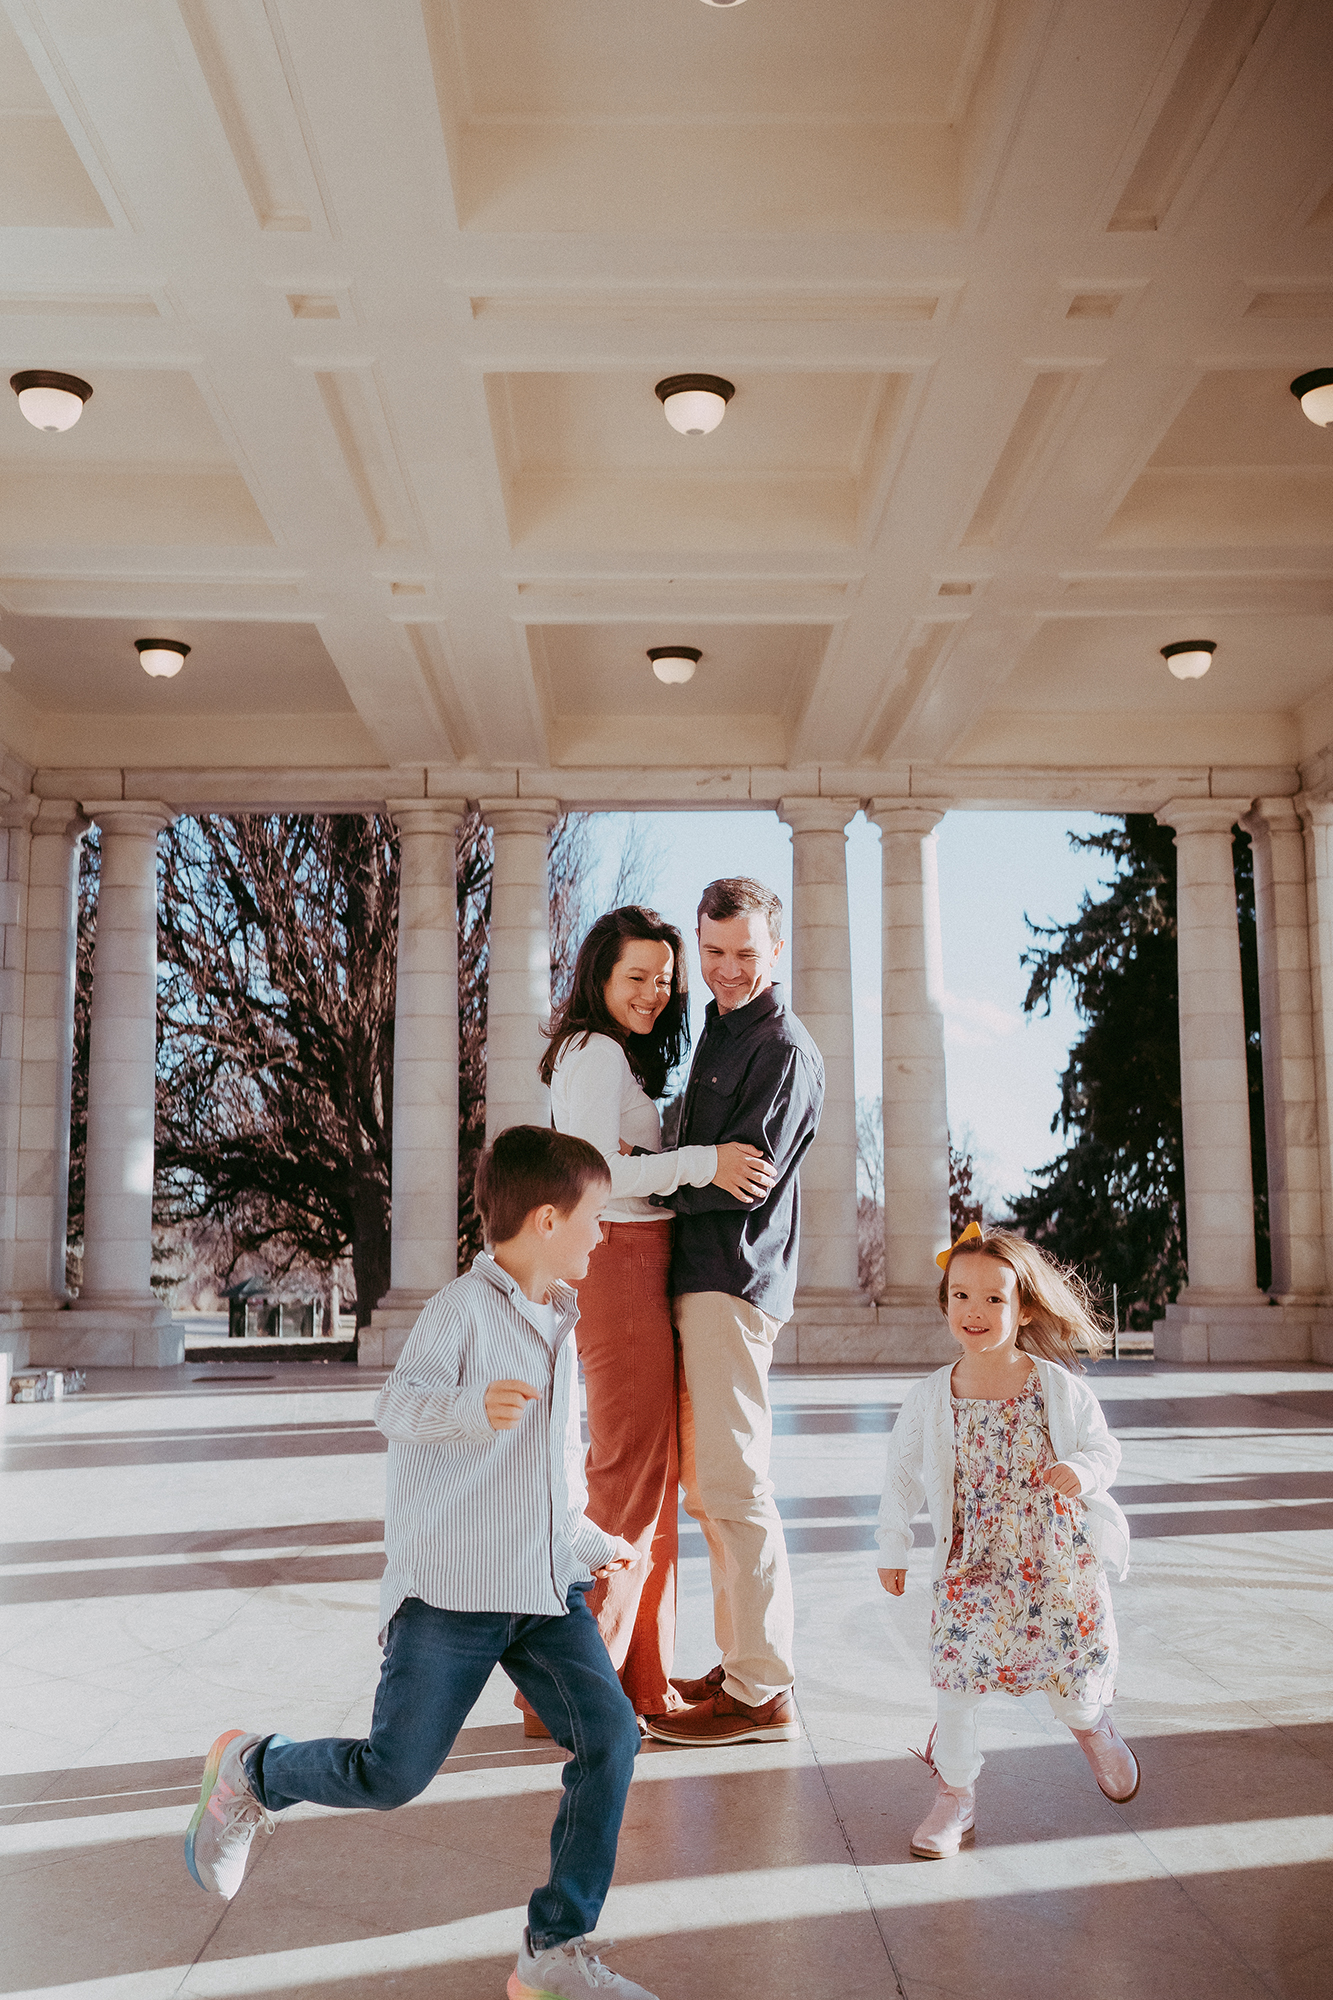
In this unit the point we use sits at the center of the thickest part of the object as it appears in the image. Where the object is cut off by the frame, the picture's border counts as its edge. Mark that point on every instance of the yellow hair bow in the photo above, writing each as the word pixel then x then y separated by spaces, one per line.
pixel 973 1230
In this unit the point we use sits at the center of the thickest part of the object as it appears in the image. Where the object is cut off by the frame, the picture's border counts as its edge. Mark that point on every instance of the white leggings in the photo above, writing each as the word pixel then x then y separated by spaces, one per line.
pixel 957 1758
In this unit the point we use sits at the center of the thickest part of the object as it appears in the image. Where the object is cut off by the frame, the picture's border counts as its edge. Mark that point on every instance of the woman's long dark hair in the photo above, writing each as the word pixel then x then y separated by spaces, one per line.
pixel 651 1057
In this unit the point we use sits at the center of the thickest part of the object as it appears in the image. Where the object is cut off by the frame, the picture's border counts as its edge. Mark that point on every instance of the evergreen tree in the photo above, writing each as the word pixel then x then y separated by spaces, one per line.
pixel 1114 1201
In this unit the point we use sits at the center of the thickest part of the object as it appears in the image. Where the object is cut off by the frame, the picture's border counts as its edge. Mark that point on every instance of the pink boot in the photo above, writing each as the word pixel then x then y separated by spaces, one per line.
pixel 951 1821
pixel 1114 1765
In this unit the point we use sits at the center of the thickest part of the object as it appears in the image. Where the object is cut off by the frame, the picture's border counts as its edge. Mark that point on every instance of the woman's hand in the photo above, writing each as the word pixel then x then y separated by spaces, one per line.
pixel 894 1581
pixel 743 1171
pixel 1064 1479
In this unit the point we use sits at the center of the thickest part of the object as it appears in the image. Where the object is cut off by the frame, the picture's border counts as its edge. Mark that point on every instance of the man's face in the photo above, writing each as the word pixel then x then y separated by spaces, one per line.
pixel 737 957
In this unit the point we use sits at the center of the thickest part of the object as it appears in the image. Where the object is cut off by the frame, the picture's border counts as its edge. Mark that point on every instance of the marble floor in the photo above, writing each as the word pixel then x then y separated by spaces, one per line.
pixel 198 1548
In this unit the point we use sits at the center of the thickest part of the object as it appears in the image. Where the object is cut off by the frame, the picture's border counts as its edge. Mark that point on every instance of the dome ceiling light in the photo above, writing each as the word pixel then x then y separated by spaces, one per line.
pixel 161 657
pixel 1315 395
pixel 695 404
pixel 724 3
pixel 49 401
pixel 1190 659
pixel 674 664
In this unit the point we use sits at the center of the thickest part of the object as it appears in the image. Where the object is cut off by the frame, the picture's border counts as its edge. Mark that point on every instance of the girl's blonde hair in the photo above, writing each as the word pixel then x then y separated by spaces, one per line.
pixel 1062 1317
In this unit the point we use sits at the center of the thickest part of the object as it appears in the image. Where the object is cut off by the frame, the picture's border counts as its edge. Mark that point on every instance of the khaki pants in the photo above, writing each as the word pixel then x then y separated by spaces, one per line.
pixel 726 1431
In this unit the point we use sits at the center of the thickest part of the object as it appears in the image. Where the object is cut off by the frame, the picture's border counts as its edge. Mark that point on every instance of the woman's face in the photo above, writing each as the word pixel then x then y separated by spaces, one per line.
pixel 639 986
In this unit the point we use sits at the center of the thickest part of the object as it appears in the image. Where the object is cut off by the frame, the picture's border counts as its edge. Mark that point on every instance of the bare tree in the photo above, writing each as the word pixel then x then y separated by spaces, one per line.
pixel 870 1195
pixel 277 945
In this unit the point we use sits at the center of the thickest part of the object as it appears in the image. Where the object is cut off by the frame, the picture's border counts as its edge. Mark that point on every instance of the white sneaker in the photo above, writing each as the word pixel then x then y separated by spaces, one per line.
pixel 569 1971
pixel 226 1819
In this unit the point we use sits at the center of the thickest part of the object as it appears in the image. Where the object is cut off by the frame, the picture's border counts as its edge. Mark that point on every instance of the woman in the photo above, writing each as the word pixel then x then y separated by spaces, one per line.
pixel 613 1045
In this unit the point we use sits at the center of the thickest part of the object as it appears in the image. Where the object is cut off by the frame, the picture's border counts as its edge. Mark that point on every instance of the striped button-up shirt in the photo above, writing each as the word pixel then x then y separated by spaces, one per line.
pixel 478 1519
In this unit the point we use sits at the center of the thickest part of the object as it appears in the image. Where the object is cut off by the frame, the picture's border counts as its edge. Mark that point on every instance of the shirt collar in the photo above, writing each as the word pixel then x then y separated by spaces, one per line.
pixel 563 1297
pixel 764 1004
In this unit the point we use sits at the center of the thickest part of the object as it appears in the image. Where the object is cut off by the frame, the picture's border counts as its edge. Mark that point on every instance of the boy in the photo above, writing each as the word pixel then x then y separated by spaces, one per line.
pixel 488 1556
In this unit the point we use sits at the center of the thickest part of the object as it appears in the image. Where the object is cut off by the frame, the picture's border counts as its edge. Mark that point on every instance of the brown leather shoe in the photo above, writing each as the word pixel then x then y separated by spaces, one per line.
pixel 723 1719
pixel 704 1688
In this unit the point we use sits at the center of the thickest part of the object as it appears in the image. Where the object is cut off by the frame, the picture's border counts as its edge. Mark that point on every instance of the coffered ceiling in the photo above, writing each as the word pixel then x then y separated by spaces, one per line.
pixel 373 296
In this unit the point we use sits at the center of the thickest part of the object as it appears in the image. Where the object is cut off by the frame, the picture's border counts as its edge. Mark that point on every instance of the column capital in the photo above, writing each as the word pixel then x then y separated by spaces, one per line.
pixel 1186 816
pixel 63 817
pixel 16 814
pixel 818 815
pixel 427 815
pixel 913 816
pixel 520 815
pixel 145 816
pixel 1272 816
pixel 1312 810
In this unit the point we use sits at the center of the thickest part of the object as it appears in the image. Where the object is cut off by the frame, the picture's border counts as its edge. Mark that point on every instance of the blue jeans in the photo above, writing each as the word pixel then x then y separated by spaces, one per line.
pixel 436 1663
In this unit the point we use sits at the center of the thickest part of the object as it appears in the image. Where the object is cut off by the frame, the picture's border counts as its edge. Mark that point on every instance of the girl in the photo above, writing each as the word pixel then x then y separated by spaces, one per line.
pixel 612 1046
pixel 1013 1457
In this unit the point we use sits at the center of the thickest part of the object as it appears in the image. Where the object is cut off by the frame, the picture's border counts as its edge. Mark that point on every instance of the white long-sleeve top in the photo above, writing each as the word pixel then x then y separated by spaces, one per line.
pixel 477 1519
pixel 921 1465
pixel 595 1095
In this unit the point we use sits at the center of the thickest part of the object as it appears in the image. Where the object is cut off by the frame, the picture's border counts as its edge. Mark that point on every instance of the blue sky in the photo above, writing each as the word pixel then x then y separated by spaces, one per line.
pixel 1003 1066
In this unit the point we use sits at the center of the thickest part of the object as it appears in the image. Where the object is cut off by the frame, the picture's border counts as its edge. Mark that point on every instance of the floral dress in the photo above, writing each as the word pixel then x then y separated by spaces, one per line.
pixel 1022 1603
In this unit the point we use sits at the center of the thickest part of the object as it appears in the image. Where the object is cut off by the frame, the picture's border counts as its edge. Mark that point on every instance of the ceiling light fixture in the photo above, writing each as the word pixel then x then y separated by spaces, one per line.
pixel 1190 659
pixel 1315 395
pixel 674 664
pixel 161 657
pixel 695 404
pixel 49 401
pixel 723 3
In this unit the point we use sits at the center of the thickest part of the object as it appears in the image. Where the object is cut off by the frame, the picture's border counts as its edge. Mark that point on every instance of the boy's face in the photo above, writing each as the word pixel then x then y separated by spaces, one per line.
pixel 571 1239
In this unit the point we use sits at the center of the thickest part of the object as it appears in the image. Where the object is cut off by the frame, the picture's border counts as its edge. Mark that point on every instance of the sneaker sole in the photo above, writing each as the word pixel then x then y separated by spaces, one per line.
pixel 518 1990
pixel 786 1732
pixel 212 1766
pixel 934 1853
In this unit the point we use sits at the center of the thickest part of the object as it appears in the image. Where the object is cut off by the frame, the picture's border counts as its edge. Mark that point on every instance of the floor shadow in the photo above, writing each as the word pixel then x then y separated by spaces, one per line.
pixel 191 1541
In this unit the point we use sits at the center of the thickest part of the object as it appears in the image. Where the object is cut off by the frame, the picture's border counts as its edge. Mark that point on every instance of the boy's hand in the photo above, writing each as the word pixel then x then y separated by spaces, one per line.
pixel 506 1402
pixel 894 1581
pixel 1064 1479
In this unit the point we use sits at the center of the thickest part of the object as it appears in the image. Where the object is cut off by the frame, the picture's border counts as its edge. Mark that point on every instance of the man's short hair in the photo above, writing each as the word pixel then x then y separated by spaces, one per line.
pixel 527 1166
pixel 736 896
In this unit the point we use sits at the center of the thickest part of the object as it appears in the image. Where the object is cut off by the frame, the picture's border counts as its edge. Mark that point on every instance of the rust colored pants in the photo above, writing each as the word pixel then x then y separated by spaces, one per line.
pixel 628 1351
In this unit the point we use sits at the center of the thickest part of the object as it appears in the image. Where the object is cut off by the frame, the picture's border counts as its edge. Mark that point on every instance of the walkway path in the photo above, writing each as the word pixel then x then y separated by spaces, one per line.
pixel 181 1554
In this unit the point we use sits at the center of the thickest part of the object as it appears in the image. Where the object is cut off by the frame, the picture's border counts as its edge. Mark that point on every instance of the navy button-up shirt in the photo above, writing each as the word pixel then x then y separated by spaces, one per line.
pixel 756 1077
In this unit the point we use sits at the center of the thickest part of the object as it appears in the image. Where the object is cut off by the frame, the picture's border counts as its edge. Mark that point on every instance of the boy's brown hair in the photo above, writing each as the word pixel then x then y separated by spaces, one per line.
pixel 527 1166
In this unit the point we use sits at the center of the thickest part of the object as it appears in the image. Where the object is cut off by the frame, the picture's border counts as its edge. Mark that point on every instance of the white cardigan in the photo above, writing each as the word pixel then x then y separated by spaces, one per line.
pixel 921 1465
pixel 596 1096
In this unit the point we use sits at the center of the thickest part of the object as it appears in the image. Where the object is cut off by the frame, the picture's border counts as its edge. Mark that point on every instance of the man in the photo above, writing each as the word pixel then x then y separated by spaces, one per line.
pixel 756 1077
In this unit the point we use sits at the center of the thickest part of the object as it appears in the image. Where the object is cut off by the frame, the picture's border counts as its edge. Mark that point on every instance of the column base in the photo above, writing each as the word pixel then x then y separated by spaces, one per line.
pixel 863 1334
pixel 1223 1330
pixel 380 1344
pixel 137 1334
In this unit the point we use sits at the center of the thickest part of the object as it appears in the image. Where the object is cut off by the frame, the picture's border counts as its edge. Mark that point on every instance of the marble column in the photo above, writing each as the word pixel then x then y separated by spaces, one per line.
pixel 821 989
pixel 57 833
pixel 424 1218
pixel 916 1119
pixel 1316 816
pixel 15 821
pixel 1291 1112
pixel 518 994
pixel 1216 1316
pixel 116 1301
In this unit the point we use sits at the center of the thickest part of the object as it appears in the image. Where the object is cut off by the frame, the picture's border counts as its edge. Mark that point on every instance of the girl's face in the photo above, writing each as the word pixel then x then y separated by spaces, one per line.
pixel 639 986
pixel 984 1309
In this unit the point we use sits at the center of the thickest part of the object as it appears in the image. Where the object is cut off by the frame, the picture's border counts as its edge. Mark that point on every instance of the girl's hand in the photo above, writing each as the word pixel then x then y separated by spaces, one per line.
pixel 1064 1479
pixel 743 1171
pixel 894 1581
